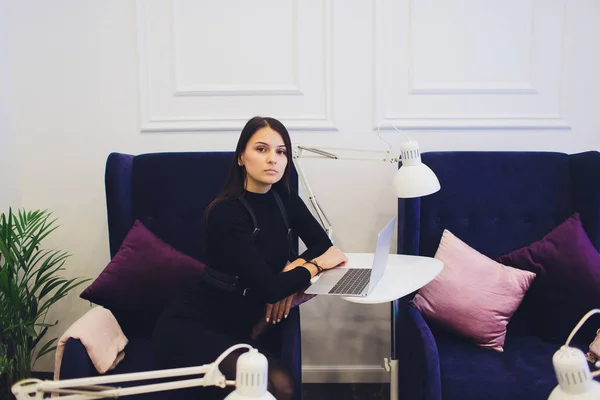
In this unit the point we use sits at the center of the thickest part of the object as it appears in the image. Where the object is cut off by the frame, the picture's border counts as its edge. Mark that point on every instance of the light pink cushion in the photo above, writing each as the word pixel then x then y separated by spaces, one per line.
pixel 474 295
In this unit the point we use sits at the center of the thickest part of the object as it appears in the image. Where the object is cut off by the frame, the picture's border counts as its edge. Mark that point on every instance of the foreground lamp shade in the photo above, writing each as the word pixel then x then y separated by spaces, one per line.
pixel 574 378
pixel 414 179
pixel 251 377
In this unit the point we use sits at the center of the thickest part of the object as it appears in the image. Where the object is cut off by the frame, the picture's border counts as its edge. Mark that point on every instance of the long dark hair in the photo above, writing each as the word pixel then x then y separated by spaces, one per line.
pixel 236 179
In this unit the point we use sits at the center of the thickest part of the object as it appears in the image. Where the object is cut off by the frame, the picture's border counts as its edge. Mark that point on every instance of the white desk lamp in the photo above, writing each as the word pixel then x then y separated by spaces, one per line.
pixel 413 179
pixel 575 381
pixel 250 381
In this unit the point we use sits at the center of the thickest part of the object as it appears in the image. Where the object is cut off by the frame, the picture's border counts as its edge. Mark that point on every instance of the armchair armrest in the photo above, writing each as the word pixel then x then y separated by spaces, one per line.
pixel 101 337
pixel 418 362
pixel 76 362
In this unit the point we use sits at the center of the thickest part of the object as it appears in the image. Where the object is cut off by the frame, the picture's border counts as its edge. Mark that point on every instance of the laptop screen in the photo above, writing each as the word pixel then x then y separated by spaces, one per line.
pixel 382 251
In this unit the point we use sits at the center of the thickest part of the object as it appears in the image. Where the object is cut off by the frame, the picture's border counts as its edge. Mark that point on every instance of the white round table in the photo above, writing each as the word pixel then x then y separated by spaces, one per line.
pixel 403 275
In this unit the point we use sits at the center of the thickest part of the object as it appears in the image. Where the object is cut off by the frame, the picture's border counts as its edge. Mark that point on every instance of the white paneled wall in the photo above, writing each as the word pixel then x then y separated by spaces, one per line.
pixel 470 64
pixel 184 75
pixel 207 65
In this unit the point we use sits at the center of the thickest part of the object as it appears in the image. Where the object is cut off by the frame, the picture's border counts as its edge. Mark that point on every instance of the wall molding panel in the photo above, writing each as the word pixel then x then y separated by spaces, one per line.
pixel 221 68
pixel 502 62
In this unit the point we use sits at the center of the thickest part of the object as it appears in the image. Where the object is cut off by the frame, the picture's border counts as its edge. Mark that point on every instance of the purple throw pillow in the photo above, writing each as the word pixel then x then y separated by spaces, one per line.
pixel 567 284
pixel 144 274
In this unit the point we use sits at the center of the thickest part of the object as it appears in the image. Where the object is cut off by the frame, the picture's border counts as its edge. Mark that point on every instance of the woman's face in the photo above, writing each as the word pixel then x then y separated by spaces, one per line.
pixel 264 159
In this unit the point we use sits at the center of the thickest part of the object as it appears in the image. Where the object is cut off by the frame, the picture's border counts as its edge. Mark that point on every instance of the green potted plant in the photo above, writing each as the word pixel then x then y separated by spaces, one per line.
pixel 30 283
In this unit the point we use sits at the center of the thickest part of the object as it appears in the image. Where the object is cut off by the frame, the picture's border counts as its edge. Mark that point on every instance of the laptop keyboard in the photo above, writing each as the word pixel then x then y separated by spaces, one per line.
pixel 353 281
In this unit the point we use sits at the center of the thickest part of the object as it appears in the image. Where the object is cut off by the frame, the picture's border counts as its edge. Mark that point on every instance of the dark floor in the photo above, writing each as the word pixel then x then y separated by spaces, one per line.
pixel 345 391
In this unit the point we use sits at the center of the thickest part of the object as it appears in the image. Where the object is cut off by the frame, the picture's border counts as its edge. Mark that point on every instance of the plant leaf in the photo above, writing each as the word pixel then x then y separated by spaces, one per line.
pixel 31 331
pixel 62 292
pixel 46 348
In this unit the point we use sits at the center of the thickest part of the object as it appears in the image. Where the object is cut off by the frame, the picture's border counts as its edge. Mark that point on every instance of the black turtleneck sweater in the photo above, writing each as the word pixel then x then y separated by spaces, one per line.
pixel 257 261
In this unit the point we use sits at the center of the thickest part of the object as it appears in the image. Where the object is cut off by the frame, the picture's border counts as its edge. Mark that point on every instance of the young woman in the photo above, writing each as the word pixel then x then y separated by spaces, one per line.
pixel 252 273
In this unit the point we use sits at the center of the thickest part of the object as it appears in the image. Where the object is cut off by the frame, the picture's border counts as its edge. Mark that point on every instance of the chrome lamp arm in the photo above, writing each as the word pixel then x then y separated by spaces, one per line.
pixel 319 213
pixel 413 179
pixel 327 152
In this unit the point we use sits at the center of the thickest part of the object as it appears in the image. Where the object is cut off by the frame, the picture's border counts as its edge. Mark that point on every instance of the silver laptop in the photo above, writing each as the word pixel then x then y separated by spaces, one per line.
pixel 358 282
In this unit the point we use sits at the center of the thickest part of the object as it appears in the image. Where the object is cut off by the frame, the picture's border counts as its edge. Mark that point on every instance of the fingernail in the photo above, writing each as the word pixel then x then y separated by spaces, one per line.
pixel 279 320
pixel 285 316
pixel 274 322
pixel 267 319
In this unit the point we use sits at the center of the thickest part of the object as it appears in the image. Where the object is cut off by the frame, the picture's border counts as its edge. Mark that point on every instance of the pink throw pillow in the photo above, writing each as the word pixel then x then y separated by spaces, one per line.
pixel 474 295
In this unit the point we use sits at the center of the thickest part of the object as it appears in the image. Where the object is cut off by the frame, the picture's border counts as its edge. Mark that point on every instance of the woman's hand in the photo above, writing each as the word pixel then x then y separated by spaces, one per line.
pixel 332 258
pixel 291 265
pixel 281 309
pixel 273 315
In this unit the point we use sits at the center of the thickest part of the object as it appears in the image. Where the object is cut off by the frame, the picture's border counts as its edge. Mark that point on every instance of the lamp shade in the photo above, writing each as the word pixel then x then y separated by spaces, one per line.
pixel 574 378
pixel 251 377
pixel 414 179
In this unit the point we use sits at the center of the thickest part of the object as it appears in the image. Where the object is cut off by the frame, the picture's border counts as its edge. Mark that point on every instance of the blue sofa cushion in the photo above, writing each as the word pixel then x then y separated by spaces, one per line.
pixel 491 212
pixel 172 203
pixel 523 371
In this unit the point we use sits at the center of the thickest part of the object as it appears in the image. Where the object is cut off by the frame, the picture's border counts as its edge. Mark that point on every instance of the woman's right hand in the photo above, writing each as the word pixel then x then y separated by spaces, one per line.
pixel 332 258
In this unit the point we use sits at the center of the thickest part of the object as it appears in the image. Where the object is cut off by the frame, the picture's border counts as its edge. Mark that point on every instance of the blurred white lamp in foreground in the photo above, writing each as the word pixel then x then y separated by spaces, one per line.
pixel 250 381
pixel 575 381
pixel 413 179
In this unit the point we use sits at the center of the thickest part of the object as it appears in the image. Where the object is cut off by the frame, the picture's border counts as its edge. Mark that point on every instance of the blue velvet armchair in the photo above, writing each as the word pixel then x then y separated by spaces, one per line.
pixel 168 193
pixel 496 202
